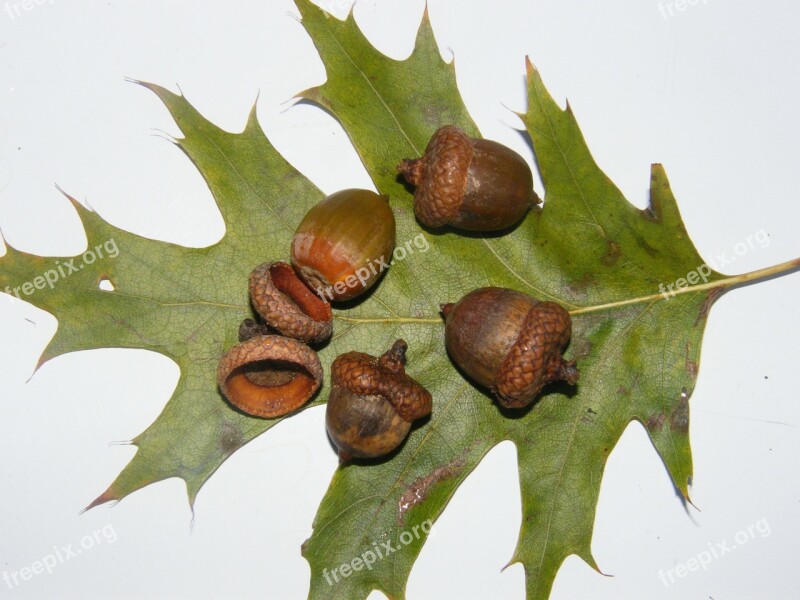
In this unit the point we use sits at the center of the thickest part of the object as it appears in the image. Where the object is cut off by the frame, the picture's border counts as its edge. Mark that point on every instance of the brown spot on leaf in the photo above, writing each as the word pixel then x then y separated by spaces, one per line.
pixel 643 244
pixel 578 288
pixel 581 347
pixel 230 438
pixel 691 368
pixel 690 364
pixel 679 419
pixel 656 422
pixel 613 252
pixel 711 297
pixel 417 492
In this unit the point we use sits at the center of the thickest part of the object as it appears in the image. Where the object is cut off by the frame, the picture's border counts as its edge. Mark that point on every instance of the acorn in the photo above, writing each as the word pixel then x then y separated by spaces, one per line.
pixel 468 183
pixel 344 243
pixel 373 402
pixel 509 342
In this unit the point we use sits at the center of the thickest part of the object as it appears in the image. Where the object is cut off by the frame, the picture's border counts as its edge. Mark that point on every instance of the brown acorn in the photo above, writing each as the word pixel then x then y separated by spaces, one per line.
pixel 344 243
pixel 288 305
pixel 472 184
pixel 509 342
pixel 373 402
pixel 268 376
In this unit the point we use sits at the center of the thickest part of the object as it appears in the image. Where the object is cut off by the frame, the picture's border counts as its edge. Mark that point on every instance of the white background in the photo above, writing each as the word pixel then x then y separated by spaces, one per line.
pixel 711 91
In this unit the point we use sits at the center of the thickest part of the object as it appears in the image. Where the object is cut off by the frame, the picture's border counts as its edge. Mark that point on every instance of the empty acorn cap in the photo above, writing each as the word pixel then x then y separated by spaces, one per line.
pixel 269 376
pixel 288 305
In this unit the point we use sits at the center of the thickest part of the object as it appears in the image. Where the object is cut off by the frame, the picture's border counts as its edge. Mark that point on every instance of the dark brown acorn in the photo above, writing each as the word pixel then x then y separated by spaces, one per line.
pixel 472 184
pixel 288 305
pixel 344 243
pixel 268 376
pixel 509 342
pixel 373 402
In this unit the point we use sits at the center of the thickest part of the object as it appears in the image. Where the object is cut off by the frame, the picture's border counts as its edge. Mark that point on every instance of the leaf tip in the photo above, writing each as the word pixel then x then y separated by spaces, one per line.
pixel 530 68
pixel 589 560
pixel 77 205
pixel 108 496
pixel 155 88
pixel 252 118
pixel 39 364
pixel 683 489
pixel 315 96
pixel 4 239
pixel 135 81
pixel 513 561
pixel 426 17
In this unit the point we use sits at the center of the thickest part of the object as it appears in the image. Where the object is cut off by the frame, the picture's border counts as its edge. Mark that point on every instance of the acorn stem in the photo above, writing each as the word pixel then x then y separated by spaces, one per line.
pixel 394 359
pixel 567 371
pixel 412 170
pixel 250 328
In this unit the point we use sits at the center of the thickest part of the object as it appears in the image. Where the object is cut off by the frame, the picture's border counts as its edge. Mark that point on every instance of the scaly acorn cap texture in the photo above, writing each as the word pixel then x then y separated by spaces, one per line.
pixel 440 176
pixel 509 342
pixel 288 305
pixel 535 358
pixel 269 376
pixel 366 375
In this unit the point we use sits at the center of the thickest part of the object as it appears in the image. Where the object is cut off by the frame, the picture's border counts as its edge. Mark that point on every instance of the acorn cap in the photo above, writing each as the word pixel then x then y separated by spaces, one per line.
pixel 440 176
pixel 366 375
pixel 535 358
pixel 269 376
pixel 288 305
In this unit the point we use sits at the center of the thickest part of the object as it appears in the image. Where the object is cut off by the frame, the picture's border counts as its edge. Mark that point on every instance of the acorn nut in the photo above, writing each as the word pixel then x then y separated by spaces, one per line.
pixel 344 243
pixel 509 342
pixel 373 402
pixel 471 184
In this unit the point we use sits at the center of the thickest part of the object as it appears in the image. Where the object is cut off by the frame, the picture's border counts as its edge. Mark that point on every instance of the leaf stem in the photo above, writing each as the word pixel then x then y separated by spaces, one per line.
pixel 390 320
pixel 727 282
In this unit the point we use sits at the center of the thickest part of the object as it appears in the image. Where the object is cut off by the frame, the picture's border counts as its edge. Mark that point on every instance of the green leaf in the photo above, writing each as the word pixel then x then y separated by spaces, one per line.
pixel 185 303
pixel 589 249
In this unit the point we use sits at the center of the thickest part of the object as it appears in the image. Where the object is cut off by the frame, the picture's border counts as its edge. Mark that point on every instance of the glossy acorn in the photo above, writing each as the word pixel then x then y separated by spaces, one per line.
pixel 509 342
pixel 468 183
pixel 373 402
pixel 344 243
